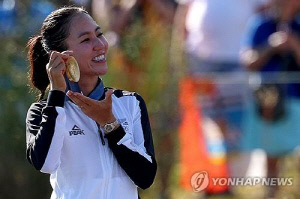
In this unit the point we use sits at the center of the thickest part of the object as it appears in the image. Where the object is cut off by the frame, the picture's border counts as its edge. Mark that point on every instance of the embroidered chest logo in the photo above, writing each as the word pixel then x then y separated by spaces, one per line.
pixel 76 131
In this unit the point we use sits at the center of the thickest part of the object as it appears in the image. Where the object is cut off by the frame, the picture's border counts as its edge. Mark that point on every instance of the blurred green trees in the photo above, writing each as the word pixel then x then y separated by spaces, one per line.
pixel 17 177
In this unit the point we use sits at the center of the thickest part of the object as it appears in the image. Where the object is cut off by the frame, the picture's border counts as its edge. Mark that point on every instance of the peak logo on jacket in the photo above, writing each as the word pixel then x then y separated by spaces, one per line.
pixel 76 131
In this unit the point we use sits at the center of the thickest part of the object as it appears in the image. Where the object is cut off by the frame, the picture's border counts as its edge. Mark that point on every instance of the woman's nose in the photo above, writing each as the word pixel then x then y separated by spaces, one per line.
pixel 99 44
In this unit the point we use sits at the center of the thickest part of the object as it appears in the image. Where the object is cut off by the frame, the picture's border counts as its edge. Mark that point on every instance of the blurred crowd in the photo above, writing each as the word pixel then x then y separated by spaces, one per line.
pixel 221 79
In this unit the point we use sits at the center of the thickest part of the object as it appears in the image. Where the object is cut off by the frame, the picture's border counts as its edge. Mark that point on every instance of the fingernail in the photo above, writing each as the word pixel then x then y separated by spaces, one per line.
pixel 69 93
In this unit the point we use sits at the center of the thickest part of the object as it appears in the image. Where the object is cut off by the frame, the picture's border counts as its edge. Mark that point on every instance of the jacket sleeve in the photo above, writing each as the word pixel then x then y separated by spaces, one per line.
pixel 134 151
pixel 45 123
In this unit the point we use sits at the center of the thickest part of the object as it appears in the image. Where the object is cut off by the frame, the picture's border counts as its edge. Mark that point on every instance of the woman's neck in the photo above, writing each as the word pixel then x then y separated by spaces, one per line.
pixel 87 85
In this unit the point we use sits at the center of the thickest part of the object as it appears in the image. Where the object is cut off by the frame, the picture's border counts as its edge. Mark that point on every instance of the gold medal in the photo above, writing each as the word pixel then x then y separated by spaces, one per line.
pixel 73 72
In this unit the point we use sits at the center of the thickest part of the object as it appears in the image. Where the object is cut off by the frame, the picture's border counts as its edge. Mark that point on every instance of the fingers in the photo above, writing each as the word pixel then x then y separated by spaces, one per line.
pixel 61 68
pixel 63 56
pixel 57 61
pixel 108 96
pixel 66 54
pixel 56 67
pixel 85 102
pixel 79 99
pixel 100 111
pixel 53 56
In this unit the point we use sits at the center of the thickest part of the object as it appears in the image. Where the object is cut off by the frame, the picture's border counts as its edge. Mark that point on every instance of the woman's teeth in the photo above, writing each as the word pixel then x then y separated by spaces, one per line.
pixel 99 58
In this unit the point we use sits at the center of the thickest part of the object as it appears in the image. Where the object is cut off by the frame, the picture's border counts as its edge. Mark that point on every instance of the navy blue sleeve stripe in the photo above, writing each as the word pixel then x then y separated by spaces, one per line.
pixel 146 126
pixel 56 98
pixel 115 136
pixel 40 126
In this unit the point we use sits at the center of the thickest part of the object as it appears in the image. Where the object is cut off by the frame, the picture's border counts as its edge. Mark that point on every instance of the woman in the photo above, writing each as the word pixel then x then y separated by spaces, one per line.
pixel 272 46
pixel 94 141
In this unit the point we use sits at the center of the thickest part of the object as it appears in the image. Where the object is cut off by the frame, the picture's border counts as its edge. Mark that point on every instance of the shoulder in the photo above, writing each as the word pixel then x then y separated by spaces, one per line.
pixel 129 95
pixel 122 93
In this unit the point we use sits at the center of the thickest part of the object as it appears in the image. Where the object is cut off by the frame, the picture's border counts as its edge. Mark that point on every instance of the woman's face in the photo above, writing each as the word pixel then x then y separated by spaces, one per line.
pixel 89 46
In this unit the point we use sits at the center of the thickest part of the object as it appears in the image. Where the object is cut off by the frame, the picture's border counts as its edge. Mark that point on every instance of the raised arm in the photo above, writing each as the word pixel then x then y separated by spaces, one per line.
pixel 45 124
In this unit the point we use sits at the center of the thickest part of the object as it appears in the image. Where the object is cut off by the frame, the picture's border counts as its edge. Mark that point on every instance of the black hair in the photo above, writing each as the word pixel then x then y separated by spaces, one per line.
pixel 54 31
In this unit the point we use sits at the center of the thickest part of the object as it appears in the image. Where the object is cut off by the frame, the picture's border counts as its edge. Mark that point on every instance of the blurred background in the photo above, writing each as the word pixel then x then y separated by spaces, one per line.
pixel 220 80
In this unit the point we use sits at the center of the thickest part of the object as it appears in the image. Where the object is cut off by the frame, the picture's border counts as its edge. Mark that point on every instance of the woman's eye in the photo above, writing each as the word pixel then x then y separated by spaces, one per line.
pixel 88 39
pixel 85 40
pixel 100 34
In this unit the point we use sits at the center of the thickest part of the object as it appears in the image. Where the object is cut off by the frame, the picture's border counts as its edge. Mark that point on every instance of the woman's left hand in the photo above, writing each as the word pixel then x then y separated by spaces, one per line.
pixel 100 111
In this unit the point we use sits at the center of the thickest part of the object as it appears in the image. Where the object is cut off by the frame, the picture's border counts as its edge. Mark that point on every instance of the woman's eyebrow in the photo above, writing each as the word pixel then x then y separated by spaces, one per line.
pixel 87 32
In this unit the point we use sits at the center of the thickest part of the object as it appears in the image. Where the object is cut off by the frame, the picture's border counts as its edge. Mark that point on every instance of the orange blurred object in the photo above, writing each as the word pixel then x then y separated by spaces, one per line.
pixel 194 156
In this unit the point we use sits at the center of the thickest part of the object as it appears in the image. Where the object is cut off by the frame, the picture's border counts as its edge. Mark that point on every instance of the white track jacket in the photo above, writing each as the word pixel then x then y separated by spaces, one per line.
pixel 84 163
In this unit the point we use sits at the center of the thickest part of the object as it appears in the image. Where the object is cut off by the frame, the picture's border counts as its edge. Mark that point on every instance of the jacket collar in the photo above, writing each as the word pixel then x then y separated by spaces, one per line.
pixel 96 94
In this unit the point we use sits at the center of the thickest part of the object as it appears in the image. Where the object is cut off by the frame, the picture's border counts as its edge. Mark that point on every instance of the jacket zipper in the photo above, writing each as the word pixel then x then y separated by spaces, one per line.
pixel 105 160
pixel 101 135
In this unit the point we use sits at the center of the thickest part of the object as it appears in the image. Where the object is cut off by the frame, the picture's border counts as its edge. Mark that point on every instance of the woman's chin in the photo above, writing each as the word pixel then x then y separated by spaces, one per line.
pixel 100 71
pixel 101 74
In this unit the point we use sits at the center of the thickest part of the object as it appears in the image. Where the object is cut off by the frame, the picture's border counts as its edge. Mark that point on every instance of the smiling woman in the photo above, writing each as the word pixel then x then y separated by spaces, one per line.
pixel 94 141
pixel 89 47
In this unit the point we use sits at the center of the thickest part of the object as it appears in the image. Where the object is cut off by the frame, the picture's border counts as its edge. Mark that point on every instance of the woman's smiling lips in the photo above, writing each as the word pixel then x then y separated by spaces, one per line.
pixel 99 58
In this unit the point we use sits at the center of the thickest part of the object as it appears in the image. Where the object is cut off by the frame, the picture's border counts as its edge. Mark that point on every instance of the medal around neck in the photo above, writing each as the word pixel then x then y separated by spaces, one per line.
pixel 72 71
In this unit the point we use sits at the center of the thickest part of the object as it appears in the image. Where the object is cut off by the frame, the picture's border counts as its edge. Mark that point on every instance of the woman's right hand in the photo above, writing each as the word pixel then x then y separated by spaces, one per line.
pixel 56 69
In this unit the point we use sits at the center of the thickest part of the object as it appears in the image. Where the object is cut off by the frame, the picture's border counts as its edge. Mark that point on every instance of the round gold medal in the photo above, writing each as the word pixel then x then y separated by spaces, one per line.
pixel 73 72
